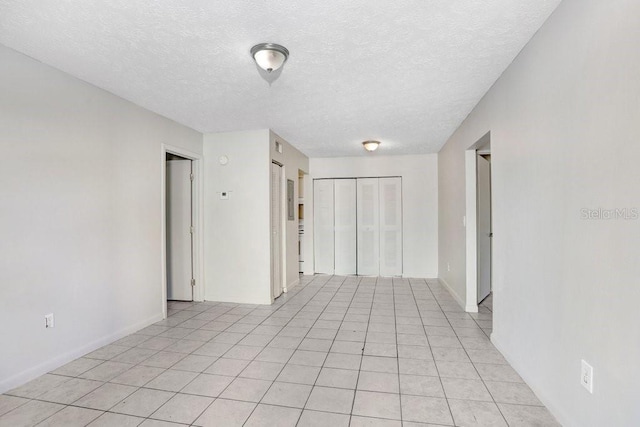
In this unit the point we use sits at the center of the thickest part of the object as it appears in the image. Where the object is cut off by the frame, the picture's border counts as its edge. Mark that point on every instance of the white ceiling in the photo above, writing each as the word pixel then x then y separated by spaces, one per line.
pixel 404 72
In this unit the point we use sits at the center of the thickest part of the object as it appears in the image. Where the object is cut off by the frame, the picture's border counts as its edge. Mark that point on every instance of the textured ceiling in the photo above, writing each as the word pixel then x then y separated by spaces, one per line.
pixel 404 72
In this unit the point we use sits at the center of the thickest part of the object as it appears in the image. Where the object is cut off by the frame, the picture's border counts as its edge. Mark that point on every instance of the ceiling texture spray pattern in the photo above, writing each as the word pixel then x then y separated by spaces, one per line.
pixel 405 73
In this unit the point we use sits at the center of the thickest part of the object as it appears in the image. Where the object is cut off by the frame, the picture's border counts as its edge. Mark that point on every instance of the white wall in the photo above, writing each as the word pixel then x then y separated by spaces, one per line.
pixel 237 231
pixel 80 216
pixel 564 122
pixel 419 202
pixel 292 160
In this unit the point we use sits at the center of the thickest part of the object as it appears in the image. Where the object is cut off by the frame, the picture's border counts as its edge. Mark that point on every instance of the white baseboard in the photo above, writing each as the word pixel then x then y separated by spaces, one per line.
pixel 292 285
pixel 559 414
pixel 453 293
pixel 34 372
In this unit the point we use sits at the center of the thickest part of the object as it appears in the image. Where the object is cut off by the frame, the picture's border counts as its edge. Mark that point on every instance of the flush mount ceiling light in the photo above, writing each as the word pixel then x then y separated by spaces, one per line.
pixel 371 145
pixel 269 56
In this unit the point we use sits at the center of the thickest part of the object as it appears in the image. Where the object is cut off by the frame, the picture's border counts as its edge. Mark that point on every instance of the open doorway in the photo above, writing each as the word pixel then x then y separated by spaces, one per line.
pixel 182 245
pixel 179 228
pixel 484 228
pixel 478 223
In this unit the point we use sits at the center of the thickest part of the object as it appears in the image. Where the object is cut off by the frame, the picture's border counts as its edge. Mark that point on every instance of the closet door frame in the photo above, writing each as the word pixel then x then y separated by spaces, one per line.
pixel 369 218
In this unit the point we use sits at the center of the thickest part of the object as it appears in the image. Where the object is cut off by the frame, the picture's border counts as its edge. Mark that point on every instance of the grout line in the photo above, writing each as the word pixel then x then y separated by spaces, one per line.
pixel 364 343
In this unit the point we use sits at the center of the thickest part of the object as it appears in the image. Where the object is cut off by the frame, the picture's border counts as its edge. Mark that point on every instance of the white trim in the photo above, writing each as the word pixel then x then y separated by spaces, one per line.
pixel 471 224
pixel 453 293
pixel 198 215
pixel 283 227
pixel 309 248
pixel 284 219
pixel 292 285
pixel 34 372
pixel 471 209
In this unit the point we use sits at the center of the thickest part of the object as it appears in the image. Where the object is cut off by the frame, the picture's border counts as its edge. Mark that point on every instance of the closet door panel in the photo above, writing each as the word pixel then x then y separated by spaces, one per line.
pixel 390 226
pixel 368 227
pixel 345 226
pixel 323 225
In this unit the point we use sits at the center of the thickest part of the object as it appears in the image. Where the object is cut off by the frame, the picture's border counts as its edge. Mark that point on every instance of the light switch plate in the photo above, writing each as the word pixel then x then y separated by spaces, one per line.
pixel 586 376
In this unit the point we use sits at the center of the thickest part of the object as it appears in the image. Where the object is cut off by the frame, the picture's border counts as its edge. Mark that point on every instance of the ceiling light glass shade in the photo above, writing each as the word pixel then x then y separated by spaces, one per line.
pixel 371 145
pixel 269 56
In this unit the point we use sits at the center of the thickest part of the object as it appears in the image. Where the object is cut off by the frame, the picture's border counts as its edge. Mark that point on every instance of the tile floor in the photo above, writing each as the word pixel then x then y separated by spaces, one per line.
pixel 334 351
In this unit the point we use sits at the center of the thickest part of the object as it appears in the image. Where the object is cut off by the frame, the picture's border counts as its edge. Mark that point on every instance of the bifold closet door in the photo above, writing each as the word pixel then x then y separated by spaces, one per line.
pixel 323 223
pixel 368 227
pixel 390 226
pixel 345 226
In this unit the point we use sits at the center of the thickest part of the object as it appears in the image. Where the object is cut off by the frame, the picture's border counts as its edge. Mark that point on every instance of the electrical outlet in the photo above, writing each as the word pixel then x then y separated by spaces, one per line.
pixel 448 267
pixel 48 321
pixel 586 376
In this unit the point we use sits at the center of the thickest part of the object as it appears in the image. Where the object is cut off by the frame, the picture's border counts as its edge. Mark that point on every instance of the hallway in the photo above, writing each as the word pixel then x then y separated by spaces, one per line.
pixel 334 351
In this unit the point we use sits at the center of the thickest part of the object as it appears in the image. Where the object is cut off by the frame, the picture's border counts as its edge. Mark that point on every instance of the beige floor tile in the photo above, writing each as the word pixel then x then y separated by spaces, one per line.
pixel 105 397
pixel 143 402
pixel 225 413
pixel 377 405
pixel 419 385
pixel 299 374
pixel 527 416
pixel 183 408
pixel 208 385
pixel 269 416
pixel 476 414
pixel 71 417
pixel 338 378
pixel 330 400
pixel 109 419
pixel 246 389
pixel 29 414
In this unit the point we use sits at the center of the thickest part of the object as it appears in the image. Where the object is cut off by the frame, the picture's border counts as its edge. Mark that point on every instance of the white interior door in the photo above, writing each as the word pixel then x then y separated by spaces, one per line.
pixel 484 228
pixel 323 226
pixel 179 237
pixel 345 226
pixel 276 230
pixel 390 226
pixel 368 208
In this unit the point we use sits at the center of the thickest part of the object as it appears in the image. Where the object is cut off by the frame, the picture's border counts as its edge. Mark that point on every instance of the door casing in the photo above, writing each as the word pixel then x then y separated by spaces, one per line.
pixel 198 215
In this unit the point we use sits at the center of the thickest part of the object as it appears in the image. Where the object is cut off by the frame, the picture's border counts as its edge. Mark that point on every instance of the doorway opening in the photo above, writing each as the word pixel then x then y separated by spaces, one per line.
pixel 179 215
pixel 478 222
pixel 181 242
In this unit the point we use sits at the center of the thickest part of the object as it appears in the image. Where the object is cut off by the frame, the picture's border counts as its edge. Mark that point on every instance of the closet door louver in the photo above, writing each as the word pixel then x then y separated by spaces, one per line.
pixel 390 226
pixel 368 227
pixel 323 220
pixel 345 226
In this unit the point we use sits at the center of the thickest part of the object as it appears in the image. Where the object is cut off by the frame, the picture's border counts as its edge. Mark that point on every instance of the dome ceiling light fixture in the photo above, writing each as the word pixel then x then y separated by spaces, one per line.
pixel 371 145
pixel 269 56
